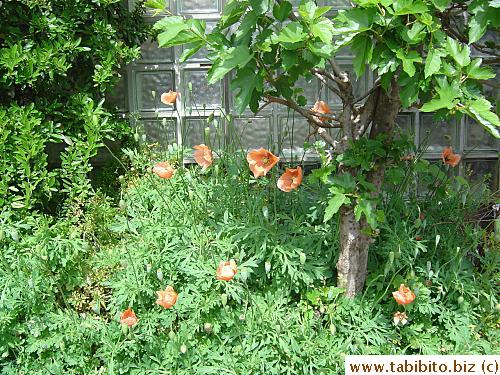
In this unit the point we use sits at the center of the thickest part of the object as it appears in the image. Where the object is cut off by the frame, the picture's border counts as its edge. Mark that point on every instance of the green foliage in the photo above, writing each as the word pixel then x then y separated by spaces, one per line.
pixel 66 284
pixel 57 61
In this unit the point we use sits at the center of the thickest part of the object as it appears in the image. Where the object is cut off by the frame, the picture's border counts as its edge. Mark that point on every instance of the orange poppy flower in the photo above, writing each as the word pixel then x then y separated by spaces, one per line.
pixel 404 295
pixel 449 157
pixel 169 98
pixel 261 161
pixel 203 156
pixel 226 270
pixel 167 298
pixel 128 317
pixel 163 169
pixel 290 180
pixel 321 107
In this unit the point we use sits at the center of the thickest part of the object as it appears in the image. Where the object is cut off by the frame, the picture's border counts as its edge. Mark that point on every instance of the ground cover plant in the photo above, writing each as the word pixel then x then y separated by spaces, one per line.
pixel 205 269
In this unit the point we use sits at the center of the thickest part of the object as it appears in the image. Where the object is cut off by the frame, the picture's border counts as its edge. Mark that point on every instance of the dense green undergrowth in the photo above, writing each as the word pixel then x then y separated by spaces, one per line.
pixel 65 284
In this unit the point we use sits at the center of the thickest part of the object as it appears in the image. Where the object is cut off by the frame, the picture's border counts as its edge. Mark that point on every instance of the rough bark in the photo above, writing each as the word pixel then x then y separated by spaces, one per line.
pixel 354 242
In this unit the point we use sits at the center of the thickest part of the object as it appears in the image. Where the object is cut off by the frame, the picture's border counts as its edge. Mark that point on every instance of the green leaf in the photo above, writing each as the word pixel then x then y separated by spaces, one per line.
pixel 190 49
pixel 307 9
pixel 345 181
pixel 480 110
pixel 232 12
pixel 282 11
pixel 415 34
pixel 432 62
pixel 409 59
pixel 245 82
pixel 156 4
pixel 246 27
pixel 260 6
pixel 476 71
pixel 321 49
pixel 289 59
pixel 171 27
pixel 354 21
pixel 362 47
pixel 323 29
pixel 482 16
pixel 334 205
pixel 227 61
pixel 441 4
pixel 292 33
pixel 365 207
pixel 403 7
pixel 461 54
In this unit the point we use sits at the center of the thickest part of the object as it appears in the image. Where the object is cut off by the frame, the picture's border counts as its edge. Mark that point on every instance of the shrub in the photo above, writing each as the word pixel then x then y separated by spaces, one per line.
pixel 57 61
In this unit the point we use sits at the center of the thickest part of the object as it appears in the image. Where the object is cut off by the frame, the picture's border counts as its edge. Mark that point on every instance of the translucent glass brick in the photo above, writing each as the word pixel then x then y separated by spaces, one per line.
pixel 193 132
pixel 146 83
pixel 252 133
pixel 477 170
pixel 437 134
pixel 161 131
pixel 202 94
pixel 152 53
pixel 293 132
pixel 199 6
pixel 478 138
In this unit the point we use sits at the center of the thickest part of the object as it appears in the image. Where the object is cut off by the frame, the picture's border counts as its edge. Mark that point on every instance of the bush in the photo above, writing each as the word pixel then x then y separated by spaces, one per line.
pixel 57 61
pixel 281 312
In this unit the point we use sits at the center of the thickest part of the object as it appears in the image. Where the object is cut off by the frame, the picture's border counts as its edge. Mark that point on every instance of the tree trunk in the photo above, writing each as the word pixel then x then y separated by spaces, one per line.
pixel 354 243
pixel 351 266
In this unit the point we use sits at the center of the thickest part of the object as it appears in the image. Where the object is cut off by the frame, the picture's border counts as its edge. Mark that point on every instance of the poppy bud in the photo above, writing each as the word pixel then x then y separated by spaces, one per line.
pixel 333 329
pixel 153 93
pixel 207 327
pixel 322 309
pixel 223 298
pixel 31 284
pixel 497 307
pixel 267 267
pixel 460 300
pixel 265 212
pixel 242 317
pixel 183 349
pixel 122 205
pixel 171 335
pixel 391 256
pixel 148 267
pixel 302 257
pixel 124 328
pixel 136 137
pixel 207 135
pixel 159 274
pixel 143 137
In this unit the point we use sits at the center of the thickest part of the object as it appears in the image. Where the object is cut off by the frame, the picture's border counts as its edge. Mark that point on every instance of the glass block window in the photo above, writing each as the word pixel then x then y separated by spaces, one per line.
pixel 274 127
pixel 149 85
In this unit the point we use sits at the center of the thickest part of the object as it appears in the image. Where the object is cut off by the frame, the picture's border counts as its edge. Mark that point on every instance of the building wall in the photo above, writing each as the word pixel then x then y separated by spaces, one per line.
pixel 138 95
